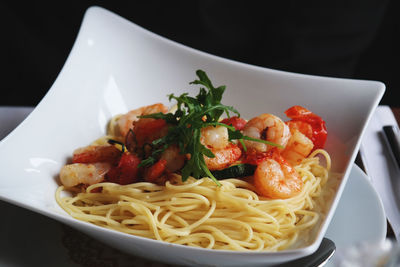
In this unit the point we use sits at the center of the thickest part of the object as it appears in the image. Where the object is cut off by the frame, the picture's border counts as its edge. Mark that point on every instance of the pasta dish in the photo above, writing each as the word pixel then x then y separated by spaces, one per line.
pixel 198 174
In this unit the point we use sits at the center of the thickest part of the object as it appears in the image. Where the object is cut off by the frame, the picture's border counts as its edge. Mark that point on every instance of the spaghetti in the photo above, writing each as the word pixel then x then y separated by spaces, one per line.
pixel 201 214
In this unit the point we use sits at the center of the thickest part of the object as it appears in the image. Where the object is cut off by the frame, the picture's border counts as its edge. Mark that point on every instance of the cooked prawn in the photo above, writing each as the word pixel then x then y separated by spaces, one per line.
pixel 125 121
pixel 309 124
pixel 174 159
pixel 94 153
pixel 224 157
pixel 266 127
pixel 216 139
pixel 83 173
pixel 298 147
pixel 276 178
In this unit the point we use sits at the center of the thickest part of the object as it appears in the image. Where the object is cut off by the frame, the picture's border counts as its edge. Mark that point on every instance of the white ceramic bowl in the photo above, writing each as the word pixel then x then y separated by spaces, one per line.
pixel 115 66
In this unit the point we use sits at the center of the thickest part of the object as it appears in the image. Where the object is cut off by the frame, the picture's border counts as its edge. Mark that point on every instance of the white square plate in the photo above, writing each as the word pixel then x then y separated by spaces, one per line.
pixel 115 66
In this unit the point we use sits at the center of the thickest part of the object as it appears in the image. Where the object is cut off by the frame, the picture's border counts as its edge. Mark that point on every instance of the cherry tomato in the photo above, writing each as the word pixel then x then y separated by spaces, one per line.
pixel 146 130
pixel 155 171
pixel 149 127
pixel 126 172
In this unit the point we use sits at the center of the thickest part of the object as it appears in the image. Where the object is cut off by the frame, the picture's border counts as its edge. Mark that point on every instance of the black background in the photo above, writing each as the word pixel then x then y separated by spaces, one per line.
pixel 351 39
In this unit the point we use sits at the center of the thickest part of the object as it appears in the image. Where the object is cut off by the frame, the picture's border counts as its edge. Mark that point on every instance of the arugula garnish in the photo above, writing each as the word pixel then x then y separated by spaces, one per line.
pixel 193 114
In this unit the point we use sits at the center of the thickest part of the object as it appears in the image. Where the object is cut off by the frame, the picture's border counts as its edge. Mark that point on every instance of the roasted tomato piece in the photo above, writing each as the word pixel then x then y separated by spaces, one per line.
pixel 235 121
pixel 155 171
pixel 255 157
pixel 126 172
